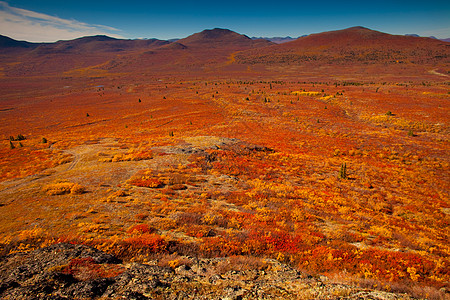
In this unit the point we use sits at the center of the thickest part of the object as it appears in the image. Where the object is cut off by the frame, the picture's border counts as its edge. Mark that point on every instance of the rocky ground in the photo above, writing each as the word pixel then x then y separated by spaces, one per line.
pixel 67 271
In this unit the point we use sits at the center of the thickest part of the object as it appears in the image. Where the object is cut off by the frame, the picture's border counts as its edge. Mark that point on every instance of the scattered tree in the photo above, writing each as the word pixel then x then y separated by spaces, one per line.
pixel 343 171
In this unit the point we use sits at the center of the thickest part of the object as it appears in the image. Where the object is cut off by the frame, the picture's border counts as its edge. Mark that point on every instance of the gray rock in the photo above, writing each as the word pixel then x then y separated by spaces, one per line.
pixel 41 274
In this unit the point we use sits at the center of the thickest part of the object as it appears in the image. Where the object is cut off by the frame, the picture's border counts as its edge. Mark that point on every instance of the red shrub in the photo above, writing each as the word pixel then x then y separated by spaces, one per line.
pixel 146 242
pixel 87 268
pixel 140 229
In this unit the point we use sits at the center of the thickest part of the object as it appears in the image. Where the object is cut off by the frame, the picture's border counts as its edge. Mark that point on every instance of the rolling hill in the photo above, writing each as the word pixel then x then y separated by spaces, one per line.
pixel 96 44
pixel 224 50
pixel 200 52
pixel 9 43
pixel 352 45
pixel 106 53
pixel 33 59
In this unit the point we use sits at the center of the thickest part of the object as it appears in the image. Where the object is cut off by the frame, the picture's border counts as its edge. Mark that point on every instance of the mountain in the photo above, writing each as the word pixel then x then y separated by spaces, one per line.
pixel 9 43
pixel 89 44
pixel 217 49
pixel 352 45
pixel 431 36
pixel 276 40
pixel 208 49
pixel 24 58
pixel 356 37
pixel 99 43
pixel 217 37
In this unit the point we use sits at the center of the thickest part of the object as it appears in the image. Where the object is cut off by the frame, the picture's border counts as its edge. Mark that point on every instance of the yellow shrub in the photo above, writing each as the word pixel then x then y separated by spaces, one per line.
pixel 77 189
pixel 301 93
pixel 174 263
pixel 62 188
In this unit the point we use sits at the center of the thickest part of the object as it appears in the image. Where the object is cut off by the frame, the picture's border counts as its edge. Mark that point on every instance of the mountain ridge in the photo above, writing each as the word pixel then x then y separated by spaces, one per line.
pixel 217 48
pixel 354 44
pixel 7 42
pixel 206 36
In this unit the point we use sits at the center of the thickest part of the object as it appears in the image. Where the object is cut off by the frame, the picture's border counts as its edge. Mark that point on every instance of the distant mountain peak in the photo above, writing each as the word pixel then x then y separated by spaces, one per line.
pixel 88 39
pixel 219 37
pixel 98 38
pixel 276 40
pixel 218 31
pixel 359 28
pixel 214 34
pixel 412 34
pixel 352 34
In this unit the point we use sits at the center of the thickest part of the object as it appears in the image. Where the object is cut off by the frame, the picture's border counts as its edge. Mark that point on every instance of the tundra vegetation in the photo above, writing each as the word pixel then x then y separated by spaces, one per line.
pixel 347 178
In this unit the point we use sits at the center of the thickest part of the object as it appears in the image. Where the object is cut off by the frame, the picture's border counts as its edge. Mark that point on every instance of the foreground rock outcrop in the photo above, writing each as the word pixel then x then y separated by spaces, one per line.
pixel 67 271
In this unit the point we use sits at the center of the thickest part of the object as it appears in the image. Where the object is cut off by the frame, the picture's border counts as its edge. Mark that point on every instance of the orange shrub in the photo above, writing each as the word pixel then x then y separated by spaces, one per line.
pixel 149 182
pixel 145 242
pixel 62 188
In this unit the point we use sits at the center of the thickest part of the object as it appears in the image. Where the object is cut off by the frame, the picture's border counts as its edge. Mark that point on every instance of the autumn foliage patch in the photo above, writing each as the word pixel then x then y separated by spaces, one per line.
pixel 314 174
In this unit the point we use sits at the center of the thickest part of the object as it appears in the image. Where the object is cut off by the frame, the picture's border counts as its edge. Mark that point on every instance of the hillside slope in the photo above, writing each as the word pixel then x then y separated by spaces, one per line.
pixel 7 43
pixel 36 59
pixel 352 45
pixel 206 51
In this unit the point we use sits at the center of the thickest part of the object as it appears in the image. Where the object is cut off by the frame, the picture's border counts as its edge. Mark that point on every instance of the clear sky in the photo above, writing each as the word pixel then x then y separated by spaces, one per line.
pixel 51 20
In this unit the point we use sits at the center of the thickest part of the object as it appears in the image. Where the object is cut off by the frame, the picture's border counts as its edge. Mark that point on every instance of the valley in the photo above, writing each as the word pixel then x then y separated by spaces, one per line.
pixel 314 153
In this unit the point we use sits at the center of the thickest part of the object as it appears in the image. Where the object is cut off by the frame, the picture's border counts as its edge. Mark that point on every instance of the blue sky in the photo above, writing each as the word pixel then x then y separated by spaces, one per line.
pixel 48 20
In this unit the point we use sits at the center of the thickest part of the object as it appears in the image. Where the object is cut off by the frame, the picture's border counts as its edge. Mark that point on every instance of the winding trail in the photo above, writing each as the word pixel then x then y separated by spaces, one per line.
pixel 435 72
pixel 18 183
pixel 77 153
